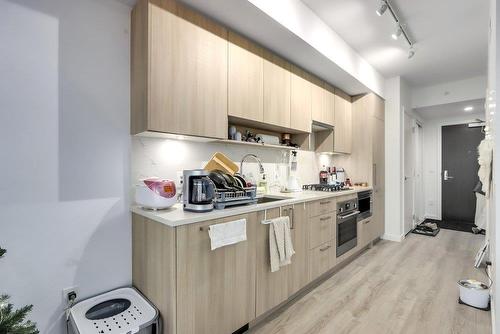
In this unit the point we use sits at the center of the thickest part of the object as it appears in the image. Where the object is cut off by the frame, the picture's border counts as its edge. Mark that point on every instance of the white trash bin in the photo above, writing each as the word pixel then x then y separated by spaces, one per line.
pixel 121 311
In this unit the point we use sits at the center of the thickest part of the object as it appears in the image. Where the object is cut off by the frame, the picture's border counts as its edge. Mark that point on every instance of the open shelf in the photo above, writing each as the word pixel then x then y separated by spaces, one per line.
pixel 245 143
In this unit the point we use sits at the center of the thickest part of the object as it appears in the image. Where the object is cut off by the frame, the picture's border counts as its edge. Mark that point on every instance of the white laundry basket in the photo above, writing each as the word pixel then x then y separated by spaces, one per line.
pixel 121 311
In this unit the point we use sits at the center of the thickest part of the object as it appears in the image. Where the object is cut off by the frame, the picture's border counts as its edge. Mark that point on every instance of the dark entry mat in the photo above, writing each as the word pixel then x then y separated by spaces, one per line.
pixel 455 225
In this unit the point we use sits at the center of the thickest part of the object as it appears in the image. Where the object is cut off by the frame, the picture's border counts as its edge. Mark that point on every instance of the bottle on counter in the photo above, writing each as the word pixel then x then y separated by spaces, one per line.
pixel 262 186
pixel 323 176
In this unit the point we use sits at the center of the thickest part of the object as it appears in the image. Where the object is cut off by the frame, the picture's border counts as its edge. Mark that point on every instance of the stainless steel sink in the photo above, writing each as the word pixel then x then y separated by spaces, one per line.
pixel 267 199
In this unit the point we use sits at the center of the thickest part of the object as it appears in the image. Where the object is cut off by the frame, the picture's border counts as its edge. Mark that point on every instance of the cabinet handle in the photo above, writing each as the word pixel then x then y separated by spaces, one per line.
pixel 325 218
pixel 324 248
pixel 374 175
pixel 366 222
pixel 292 213
pixel 323 203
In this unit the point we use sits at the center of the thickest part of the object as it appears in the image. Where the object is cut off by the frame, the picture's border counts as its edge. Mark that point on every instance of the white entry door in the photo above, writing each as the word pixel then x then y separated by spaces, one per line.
pixel 409 173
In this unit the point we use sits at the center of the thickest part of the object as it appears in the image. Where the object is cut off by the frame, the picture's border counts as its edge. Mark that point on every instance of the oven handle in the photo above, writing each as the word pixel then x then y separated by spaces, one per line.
pixel 349 215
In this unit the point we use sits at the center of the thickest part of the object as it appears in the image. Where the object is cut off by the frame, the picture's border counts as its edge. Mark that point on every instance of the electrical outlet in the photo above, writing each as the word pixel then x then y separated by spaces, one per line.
pixel 180 178
pixel 70 293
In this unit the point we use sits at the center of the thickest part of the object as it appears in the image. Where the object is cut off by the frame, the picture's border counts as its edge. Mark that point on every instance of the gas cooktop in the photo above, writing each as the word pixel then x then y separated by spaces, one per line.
pixel 325 187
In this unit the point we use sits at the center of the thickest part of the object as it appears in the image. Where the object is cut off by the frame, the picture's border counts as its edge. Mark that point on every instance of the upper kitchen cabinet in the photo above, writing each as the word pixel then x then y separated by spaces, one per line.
pixel 343 122
pixel 245 79
pixel 300 103
pixel 179 71
pixel 322 102
pixel 276 91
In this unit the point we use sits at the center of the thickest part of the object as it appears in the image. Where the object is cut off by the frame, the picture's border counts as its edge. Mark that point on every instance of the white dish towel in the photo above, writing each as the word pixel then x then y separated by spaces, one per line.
pixel 227 233
pixel 280 243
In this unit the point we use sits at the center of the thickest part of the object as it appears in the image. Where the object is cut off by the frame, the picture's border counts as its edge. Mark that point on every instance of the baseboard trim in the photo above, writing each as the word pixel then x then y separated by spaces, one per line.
pixel 392 237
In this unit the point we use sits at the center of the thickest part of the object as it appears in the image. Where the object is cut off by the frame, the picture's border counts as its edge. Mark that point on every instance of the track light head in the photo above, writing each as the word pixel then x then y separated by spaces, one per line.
pixel 382 9
pixel 411 52
pixel 395 35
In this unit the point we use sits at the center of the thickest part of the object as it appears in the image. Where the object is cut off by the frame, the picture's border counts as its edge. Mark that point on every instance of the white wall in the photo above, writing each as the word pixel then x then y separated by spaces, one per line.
pixel 166 157
pixel 449 92
pixel 64 124
pixel 493 123
pixel 432 161
pixel 398 101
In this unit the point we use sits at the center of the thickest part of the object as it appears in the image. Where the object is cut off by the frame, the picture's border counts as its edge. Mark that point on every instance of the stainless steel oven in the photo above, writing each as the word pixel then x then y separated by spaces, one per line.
pixel 365 204
pixel 347 226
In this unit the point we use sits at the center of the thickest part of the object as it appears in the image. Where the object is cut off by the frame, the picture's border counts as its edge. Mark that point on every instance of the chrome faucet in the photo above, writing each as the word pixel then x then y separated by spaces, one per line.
pixel 261 168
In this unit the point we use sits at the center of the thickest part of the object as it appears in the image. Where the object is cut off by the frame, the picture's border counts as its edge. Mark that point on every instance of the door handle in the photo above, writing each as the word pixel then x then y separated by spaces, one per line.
pixel 447 177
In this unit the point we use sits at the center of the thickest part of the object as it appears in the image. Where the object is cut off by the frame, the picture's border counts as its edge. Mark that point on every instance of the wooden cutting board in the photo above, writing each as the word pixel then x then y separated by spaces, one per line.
pixel 220 162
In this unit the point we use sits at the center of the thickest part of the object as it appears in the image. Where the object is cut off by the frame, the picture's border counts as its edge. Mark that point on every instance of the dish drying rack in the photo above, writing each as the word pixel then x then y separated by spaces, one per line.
pixel 225 198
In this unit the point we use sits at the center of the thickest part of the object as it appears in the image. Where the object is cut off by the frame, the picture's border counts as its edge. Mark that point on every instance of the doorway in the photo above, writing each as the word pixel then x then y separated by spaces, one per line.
pixel 409 172
pixel 459 175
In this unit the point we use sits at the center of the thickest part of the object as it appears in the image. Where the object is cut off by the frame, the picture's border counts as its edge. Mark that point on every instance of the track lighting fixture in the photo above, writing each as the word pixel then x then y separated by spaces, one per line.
pixel 400 28
pixel 382 9
pixel 411 52
pixel 395 35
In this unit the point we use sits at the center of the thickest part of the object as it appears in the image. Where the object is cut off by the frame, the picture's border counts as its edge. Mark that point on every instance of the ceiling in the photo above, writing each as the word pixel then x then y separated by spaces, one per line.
pixel 451 36
pixel 452 110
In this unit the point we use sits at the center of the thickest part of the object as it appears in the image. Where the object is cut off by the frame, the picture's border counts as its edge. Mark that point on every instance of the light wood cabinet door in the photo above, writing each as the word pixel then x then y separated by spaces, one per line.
pixel 343 123
pixel 300 105
pixel 361 165
pixel 321 229
pixel 215 289
pixel 378 139
pixel 276 91
pixel 367 231
pixel 322 102
pixel 153 266
pixel 320 259
pixel 245 79
pixel 271 288
pixel 321 207
pixel 329 112
pixel 187 91
pixel 298 271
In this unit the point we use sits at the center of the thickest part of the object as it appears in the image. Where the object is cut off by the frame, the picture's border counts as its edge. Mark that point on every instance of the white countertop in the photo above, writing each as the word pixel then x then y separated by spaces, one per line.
pixel 176 216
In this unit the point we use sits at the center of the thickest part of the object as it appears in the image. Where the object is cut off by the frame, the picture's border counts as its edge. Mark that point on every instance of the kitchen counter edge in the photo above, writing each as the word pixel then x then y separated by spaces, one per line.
pixel 176 216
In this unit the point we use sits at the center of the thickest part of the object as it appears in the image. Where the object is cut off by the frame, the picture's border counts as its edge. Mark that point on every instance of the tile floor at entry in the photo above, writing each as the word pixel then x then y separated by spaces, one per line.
pixel 407 287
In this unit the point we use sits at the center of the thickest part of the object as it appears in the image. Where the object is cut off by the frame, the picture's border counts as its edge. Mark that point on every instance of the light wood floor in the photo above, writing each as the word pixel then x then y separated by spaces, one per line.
pixel 407 287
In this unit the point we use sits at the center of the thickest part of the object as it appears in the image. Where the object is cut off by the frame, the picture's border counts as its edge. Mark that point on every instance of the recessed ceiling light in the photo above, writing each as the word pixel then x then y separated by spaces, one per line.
pixel 382 9
pixel 469 108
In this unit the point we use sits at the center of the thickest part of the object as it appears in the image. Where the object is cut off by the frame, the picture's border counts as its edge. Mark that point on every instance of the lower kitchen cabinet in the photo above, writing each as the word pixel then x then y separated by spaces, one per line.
pixel 321 229
pixel 367 232
pixel 198 290
pixel 215 289
pixel 321 259
pixel 298 270
pixel 274 288
pixel 271 288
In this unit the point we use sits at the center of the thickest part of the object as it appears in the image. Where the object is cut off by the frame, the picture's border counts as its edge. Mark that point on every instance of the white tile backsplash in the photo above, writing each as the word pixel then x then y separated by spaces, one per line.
pixel 165 157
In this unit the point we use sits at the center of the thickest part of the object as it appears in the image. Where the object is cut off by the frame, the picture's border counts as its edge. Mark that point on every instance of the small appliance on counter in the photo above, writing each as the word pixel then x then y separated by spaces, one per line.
pixel 155 193
pixel 198 191
pixel 119 311
pixel 292 183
